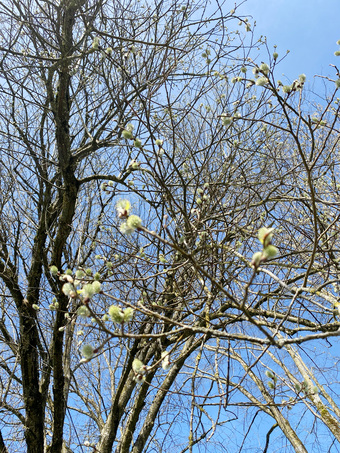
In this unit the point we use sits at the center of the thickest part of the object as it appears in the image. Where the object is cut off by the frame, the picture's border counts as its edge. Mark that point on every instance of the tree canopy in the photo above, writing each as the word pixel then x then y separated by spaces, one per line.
pixel 168 235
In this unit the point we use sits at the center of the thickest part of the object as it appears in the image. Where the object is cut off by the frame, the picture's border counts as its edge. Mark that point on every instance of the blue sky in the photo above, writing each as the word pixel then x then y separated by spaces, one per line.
pixel 308 28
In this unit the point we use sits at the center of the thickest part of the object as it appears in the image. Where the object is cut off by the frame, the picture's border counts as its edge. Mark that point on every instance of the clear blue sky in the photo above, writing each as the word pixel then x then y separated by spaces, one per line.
pixel 308 28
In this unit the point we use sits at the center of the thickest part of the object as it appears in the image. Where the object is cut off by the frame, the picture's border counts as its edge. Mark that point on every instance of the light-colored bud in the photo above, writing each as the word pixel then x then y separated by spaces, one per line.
pixel 96 287
pixel 286 88
pixel 68 289
pixel 87 291
pixel 264 68
pixel 138 367
pixel 265 235
pixel 117 314
pixel 128 314
pixel 83 311
pixel 87 351
pixel 127 134
pixel 226 119
pixel 134 221
pixel 262 81
pixel 54 270
pixel 270 251
pixel 256 260
pixel 123 208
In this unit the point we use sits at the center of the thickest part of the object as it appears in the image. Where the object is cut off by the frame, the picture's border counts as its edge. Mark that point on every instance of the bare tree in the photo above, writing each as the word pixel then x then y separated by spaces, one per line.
pixel 140 156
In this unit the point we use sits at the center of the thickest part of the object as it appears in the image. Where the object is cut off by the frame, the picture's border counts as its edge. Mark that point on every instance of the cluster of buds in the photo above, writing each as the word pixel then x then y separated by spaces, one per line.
pixel 337 52
pixel 127 133
pixel 296 85
pixel 132 223
pixel 120 316
pixel 265 236
pixel 72 281
pixel 273 377
pixel 139 370
pixel 95 43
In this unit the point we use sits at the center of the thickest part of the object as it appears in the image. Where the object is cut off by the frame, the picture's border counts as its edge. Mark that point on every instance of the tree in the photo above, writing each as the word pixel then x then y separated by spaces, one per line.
pixel 141 162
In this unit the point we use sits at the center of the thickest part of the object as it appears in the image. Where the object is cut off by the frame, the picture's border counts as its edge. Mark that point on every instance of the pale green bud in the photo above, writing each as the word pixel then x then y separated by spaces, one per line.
pixel 302 78
pixel 265 236
pixel 269 374
pixel 88 271
pixel 105 318
pixel 109 51
pixel 337 53
pixel 54 270
pixel 275 55
pixel 264 68
pixel 95 43
pixel 127 134
pixel 270 251
pixel 262 81
pixel 257 258
pixel 97 276
pixel 298 387
pixel 128 314
pixel 159 142
pixel 126 229
pixel 80 274
pixel 138 367
pixel 244 70
pixel 96 287
pixel 271 385
pixel 69 290
pixel 337 83
pixel 87 291
pixel 87 351
pixel 137 143
pixel 83 311
pixel 117 314
pixel 162 259
pixel 35 307
pixel 286 88
pixel 134 221
pixel 226 119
